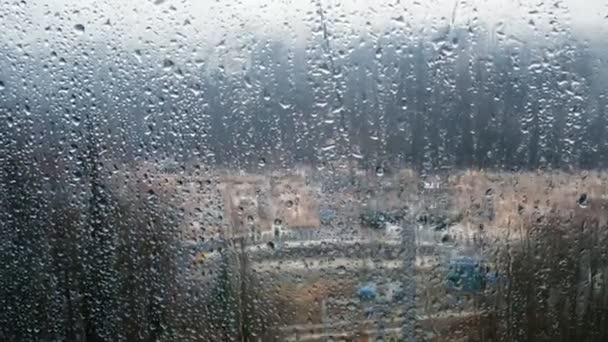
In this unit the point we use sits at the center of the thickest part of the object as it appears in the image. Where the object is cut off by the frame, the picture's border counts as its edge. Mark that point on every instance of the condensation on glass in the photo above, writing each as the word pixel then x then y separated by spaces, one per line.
pixel 290 170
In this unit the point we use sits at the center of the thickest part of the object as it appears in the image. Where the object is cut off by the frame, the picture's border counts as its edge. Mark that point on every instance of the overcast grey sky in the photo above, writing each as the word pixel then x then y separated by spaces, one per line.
pixel 207 27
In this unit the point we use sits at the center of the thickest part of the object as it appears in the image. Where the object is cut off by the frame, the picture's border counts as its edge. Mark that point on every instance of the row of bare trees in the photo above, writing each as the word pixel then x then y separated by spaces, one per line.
pixel 79 262
pixel 552 285
pixel 87 258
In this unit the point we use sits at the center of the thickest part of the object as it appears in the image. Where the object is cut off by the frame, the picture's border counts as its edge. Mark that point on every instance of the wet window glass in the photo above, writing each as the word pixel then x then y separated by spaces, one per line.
pixel 323 170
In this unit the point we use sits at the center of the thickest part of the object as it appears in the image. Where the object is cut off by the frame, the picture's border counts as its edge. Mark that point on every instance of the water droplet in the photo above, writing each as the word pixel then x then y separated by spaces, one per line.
pixel 79 28
pixel 138 54
pixel 379 53
pixel 399 19
pixel 583 201
pixel 247 81
pixel 168 64
pixel 379 171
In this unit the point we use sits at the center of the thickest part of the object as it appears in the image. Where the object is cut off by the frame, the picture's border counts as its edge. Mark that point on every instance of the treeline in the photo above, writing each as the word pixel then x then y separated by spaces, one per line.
pixel 79 262
pixel 552 286
pixel 87 257
pixel 454 97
